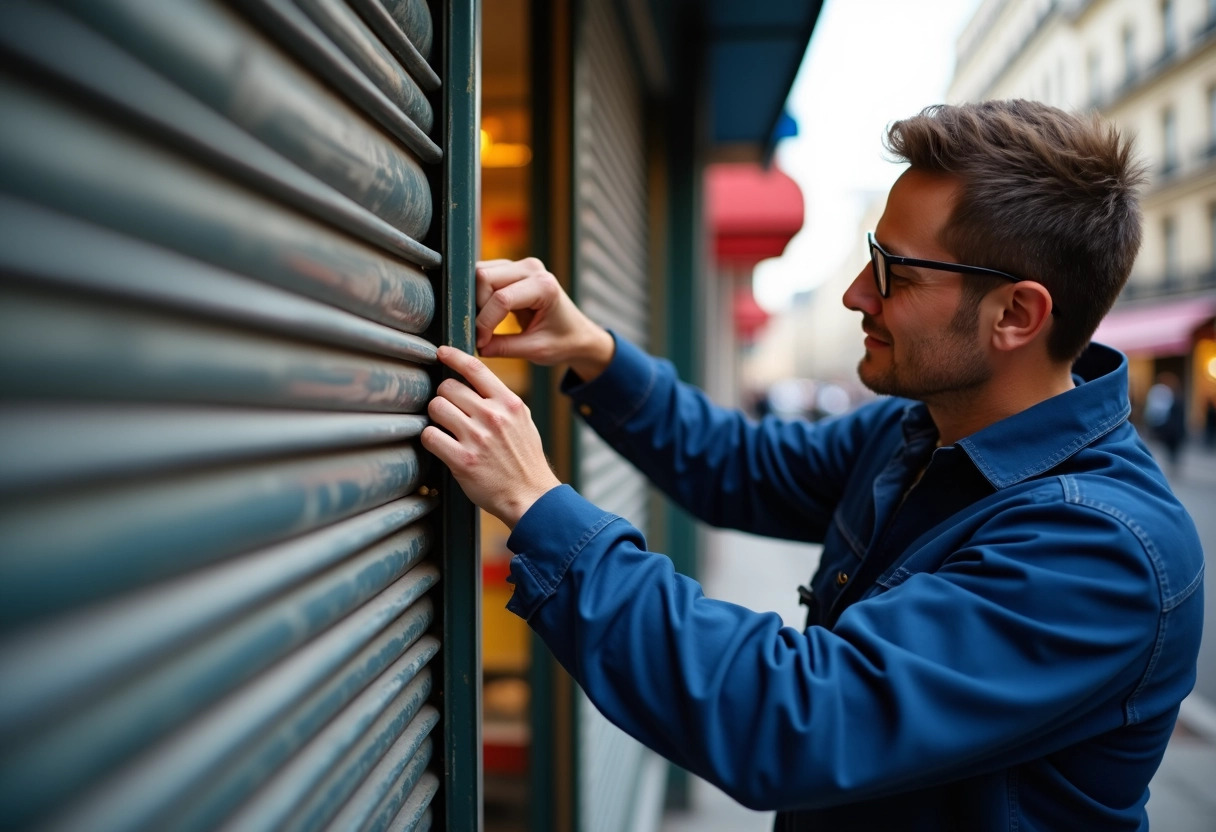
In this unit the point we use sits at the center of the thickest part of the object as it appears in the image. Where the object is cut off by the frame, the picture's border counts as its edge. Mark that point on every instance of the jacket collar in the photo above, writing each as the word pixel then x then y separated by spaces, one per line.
pixel 1026 444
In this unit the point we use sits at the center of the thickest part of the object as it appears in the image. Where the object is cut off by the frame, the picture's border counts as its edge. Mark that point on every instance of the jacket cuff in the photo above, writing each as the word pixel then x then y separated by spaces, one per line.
pixel 545 541
pixel 617 394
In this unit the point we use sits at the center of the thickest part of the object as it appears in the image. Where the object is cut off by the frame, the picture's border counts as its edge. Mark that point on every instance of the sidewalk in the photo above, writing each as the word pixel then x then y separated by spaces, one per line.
pixel 764 574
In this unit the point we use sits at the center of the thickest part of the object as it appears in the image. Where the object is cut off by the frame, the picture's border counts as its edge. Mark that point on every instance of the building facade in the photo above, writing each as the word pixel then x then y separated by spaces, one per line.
pixel 1149 66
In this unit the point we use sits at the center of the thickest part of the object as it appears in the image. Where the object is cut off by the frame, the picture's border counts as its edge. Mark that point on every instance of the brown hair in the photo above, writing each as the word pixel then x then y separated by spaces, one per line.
pixel 1046 195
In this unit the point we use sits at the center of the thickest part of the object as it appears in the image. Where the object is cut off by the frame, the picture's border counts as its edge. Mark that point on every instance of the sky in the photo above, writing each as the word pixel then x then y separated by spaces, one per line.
pixel 870 62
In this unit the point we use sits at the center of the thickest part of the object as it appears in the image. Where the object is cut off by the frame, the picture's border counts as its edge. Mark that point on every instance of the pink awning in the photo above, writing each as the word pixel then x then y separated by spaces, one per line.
pixel 1161 329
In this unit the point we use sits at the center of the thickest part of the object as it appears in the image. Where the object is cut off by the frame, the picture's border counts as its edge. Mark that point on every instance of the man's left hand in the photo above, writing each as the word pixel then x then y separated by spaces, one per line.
pixel 491 446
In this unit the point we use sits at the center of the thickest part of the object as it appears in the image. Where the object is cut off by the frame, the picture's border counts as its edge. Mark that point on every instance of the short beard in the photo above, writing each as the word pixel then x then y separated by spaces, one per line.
pixel 959 366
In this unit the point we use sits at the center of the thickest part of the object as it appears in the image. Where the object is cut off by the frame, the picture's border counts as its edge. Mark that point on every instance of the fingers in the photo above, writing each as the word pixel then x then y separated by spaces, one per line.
pixel 483 286
pixel 494 274
pixel 533 293
pixel 507 346
pixel 446 448
pixel 479 376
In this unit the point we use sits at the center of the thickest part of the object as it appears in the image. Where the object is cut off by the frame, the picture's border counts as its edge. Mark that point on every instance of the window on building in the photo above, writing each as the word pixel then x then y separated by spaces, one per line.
pixel 1129 54
pixel 1169 140
pixel 1211 149
pixel 1212 236
pixel 1094 72
pixel 1169 237
pixel 1169 40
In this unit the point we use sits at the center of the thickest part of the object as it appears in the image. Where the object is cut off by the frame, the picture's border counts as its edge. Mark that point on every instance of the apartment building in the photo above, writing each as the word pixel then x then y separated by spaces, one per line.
pixel 1149 66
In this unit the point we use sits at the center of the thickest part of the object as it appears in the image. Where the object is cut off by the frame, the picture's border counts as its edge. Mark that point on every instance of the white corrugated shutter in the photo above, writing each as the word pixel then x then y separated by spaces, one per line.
pixel 612 287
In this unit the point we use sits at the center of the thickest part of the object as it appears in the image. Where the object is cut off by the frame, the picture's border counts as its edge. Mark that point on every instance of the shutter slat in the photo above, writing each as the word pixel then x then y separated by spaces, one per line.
pixel 414 815
pixel 139 795
pixel 383 656
pixel 382 794
pixel 296 782
pixel 46 246
pixel 296 31
pixel 75 656
pixel 414 18
pixel 46 446
pixel 77 164
pixel 618 276
pixel 88 349
pixel 85 745
pixel 597 204
pixel 74 548
pixel 332 794
pixel 396 39
pixel 248 109
pixel 350 34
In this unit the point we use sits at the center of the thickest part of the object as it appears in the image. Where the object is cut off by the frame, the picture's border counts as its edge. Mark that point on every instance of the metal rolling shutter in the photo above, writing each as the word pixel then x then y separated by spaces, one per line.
pixel 612 287
pixel 215 562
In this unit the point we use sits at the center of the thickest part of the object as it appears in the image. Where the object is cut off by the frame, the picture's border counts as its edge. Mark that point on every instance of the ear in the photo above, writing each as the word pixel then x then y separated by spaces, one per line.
pixel 1024 313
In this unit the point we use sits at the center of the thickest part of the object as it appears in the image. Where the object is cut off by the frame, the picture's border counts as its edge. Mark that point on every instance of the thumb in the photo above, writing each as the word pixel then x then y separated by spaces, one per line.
pixel 521 345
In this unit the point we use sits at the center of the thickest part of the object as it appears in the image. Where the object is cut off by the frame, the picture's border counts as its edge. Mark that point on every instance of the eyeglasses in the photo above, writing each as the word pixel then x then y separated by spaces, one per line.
pixel 882 261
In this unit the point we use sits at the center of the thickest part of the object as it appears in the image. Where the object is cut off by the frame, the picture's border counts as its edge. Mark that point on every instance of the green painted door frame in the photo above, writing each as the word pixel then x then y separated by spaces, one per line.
pixel 461 615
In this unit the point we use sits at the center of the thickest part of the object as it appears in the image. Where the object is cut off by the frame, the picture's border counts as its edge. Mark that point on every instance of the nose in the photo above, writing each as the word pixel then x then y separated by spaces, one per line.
pixel 862 295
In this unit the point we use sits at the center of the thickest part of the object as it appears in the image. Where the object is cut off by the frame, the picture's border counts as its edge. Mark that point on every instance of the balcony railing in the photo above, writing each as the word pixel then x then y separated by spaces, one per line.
pixel 1173 169
pixel 1170 54
pixel 1166 285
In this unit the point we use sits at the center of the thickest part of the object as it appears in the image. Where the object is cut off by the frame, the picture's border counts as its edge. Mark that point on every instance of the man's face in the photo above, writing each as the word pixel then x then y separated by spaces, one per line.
pixel 918 345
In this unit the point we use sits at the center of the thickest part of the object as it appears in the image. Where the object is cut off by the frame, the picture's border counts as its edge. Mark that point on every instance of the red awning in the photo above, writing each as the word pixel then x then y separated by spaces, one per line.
pixel 1161 329
pixel 753 212
pixel 750 316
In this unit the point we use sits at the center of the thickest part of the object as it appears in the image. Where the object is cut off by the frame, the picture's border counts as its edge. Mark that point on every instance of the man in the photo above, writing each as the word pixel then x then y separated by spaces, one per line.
pixel 1008 607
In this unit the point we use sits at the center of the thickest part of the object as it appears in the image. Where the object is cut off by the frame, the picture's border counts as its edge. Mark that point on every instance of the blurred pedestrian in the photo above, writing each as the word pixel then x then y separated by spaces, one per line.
pixel 1165 415
pixel 1007 610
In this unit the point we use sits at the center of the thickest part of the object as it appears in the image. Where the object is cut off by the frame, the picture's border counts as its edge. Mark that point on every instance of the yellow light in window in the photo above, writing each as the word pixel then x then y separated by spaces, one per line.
pixel 502 154
pixel 506 155
pixel 1211 368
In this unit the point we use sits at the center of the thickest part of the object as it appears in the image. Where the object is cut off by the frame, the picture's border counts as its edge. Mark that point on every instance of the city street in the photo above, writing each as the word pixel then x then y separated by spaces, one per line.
pixel 763 574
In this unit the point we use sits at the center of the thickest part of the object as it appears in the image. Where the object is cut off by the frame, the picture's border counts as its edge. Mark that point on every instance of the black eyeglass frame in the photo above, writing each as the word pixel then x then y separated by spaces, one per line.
pixel 887 260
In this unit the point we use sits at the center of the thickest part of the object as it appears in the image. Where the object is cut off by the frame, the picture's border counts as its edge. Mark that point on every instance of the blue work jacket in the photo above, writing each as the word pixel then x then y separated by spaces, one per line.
pixel 1003 646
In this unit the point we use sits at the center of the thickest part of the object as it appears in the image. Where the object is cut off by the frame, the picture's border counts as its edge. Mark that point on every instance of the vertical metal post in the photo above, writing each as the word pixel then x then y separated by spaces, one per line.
pixel 461 614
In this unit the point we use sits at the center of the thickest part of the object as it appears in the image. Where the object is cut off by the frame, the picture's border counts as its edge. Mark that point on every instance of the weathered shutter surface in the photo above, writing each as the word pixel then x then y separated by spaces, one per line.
pixel 215 570
pixel 611 286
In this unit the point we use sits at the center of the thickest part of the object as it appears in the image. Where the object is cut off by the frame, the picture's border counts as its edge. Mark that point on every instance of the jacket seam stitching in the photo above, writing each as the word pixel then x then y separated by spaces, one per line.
pixel 1011 793
pixel 619 423
pixel 854 543
pixel 1073 495
pixel 571 554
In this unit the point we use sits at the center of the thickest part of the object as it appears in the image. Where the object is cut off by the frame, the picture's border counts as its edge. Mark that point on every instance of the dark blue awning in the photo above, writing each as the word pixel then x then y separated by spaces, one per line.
pixel 755 49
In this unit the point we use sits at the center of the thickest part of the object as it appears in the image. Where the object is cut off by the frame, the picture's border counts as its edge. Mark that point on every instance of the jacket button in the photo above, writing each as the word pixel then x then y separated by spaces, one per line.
pixel 584 409
pixel 842 578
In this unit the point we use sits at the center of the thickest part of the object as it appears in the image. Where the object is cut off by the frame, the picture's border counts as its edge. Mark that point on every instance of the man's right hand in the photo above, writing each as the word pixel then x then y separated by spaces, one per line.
pixel 555 331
